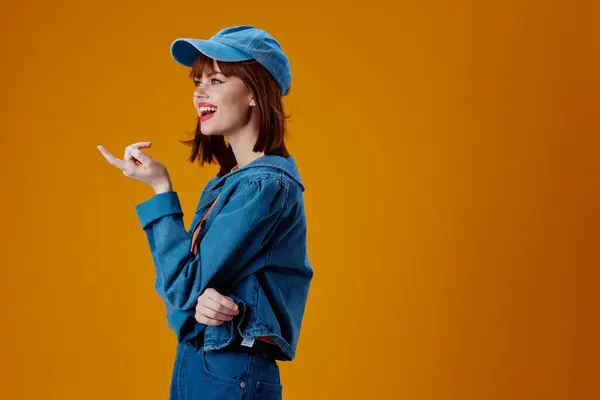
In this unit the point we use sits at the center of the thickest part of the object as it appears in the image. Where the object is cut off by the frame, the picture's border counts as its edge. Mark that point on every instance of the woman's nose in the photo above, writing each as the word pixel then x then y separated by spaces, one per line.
pixel 200 93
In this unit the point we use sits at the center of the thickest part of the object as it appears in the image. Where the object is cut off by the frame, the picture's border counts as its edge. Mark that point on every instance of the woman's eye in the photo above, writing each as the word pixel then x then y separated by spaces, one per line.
pixel 213 81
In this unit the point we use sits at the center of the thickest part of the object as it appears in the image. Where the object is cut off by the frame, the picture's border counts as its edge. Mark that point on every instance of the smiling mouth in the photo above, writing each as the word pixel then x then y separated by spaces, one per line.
pixel 207 112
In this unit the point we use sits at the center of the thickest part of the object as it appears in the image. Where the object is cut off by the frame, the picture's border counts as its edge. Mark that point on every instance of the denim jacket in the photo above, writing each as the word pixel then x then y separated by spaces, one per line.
pixel 252 249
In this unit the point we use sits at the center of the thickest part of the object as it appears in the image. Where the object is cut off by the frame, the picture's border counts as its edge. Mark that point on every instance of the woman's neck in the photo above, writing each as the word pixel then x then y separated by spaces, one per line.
pixel 242 143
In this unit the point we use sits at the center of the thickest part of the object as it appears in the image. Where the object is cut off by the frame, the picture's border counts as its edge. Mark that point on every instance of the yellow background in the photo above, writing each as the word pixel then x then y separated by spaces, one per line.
pixel 449 149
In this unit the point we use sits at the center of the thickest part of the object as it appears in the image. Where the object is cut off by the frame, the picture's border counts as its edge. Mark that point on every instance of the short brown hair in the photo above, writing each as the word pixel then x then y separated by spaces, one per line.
pixel 269 105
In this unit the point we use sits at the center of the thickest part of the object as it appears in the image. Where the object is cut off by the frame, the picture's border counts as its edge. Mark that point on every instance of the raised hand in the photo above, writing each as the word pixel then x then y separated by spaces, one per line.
pixel 140 166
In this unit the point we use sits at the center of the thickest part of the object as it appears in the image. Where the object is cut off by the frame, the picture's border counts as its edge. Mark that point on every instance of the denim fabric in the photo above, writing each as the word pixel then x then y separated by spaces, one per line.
pixel 253 249
pixel 221 375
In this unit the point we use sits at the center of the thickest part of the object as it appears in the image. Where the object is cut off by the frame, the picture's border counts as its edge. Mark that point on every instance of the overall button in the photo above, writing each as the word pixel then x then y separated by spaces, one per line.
pixel 242 384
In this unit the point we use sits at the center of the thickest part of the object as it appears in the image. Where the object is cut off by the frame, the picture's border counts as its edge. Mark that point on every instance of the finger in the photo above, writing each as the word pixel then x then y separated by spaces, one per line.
pixel 127 156
pixel 223 300
pixel 112 159
pixel 141 156
pixel 219 308
pixel 207 321
pixel 212 311
pixel 141 145
pixel 212 314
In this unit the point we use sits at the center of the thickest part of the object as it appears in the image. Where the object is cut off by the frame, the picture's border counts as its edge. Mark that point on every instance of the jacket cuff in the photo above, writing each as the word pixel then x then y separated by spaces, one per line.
pixel 158 206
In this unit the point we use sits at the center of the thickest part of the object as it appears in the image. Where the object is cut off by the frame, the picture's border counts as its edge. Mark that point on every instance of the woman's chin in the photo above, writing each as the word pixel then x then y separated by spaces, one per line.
pixel 208 132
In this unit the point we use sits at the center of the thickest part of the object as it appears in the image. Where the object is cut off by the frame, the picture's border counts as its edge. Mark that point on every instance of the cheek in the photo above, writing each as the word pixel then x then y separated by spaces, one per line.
pixel 239 113
pixel 228 111
pixel 234 96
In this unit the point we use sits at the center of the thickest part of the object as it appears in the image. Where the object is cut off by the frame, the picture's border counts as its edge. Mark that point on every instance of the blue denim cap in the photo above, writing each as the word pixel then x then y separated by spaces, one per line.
pixel 238 43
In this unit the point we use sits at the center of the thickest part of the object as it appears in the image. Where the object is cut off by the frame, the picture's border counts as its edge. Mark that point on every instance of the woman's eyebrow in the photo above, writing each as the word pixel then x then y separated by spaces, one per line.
pixel 210 74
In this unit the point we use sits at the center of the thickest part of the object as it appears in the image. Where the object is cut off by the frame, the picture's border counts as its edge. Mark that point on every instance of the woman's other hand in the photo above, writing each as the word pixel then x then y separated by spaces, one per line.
pixel 213 308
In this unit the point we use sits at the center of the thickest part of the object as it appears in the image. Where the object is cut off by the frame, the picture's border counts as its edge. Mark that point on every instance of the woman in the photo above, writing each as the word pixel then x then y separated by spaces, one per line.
pixel 235 285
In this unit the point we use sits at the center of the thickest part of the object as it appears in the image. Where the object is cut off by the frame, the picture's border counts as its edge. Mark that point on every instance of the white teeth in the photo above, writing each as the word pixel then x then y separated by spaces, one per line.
pixel 206 109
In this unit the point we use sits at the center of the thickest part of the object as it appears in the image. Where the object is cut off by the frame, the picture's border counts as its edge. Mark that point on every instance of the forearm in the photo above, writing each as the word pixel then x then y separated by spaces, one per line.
pixel 177 268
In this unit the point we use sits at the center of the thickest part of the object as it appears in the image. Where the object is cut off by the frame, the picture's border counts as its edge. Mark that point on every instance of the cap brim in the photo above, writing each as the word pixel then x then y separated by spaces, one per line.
pixel 185 51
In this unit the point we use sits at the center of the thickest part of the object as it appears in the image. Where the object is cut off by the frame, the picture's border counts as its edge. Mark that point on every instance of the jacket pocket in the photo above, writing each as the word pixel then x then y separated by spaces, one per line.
pixel 268 391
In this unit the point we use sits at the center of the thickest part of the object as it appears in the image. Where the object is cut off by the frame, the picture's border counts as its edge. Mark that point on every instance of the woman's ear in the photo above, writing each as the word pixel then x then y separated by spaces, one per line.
pixel 252 103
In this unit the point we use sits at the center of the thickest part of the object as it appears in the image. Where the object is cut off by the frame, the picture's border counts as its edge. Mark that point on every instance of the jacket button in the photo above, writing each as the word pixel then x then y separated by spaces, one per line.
pixel 242 384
